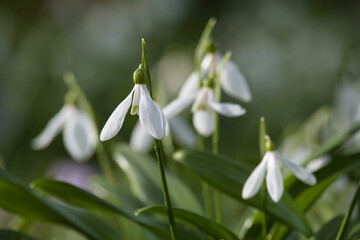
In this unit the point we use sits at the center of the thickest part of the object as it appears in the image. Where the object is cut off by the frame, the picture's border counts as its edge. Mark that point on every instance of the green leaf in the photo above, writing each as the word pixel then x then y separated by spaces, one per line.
pixel 81 198
pixel 333 143
pixel 7 234
pixel 329 230
pixel 204 224
pixel 200 50
pixel 145 182
pixel 19 199
pixel 229 176
pixel 354 232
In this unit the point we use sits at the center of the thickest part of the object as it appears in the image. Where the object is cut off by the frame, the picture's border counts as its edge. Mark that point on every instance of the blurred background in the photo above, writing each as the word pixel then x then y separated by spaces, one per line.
pixel 292 53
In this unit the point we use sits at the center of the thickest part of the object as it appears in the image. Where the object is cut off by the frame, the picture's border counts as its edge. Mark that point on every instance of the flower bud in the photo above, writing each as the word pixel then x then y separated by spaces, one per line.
pixel 71 97
pixel 269 146
pixel 139 76
pixel 208 82
pixel 211 48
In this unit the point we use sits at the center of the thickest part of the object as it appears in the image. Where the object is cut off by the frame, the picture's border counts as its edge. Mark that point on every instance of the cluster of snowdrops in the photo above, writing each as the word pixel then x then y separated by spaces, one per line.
pixel 213 74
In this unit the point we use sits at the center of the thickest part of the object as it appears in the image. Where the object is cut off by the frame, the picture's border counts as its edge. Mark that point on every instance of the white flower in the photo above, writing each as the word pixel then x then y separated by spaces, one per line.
pixel 204 105
pixel 231 79
pixel 271 164
pixel 151 117
pixel 79 133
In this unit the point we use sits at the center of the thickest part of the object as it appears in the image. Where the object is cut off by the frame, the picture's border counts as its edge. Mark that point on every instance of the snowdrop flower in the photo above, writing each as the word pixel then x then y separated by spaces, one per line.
pixel 151 117
pixel 79 133
pixel 231 79
pixel 271 164
pixel 204 107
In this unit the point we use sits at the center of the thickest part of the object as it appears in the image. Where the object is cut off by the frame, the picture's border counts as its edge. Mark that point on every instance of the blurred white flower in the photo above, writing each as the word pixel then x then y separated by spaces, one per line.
pixel 79 133
pixel 181 132
pixel 271 164
pixel 151 117
pixel 204 105
pixel 231 79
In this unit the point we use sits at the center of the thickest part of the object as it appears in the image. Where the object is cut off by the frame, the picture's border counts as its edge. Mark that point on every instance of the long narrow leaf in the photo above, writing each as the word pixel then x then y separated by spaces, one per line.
pixel 81 198
pixel 204 224
pixel 19 199
pixel 200 50
pixel 7 234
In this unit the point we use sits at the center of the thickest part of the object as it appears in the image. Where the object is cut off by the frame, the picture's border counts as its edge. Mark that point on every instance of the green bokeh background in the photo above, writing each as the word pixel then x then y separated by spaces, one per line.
pixel 291 52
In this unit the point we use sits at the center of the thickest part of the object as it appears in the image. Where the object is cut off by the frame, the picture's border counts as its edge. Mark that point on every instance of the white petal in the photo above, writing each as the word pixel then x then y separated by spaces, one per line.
pixel 204 122
pixel 202 99
pixel 79 136
pixel 228 109
pixel 116 119
pixel 151 117
pixel 53 127
pixel 210 63
pixel 190 86
pixel 301 173
pixel 136 100
pixel 91 134
pixel 183 134
pixel 140 140
pixel 255 180
pixel 274 181
pixel 234 83
pixel 178 105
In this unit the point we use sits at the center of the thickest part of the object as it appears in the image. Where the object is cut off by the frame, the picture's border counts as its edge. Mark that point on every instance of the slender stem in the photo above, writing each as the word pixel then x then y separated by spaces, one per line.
pixel 347 216
pixel 215 148
pixel 206 192
pixel 146 67
pixel 159 152
pixel 160 158
pixel 264 217
pixel 218 206
pixel 102 156
pixel 215 138
pixel 205 187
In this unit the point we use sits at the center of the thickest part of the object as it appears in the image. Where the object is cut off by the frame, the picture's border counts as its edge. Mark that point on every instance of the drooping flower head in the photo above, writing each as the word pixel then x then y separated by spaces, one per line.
pixel 232 80
pixel 151 117
pixel 271 166
pixel 203 108
pixel 79 131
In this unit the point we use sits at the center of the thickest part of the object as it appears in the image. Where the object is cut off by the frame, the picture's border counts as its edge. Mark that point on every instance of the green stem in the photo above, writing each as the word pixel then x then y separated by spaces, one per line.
pixel 206 192
pixel 205 187
pixel 159 152
pixel 215 148
pixel 215 138
pixel 264 217
pixel 347 216
pixel 102 156
pixel 160 158
pixel 218 206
